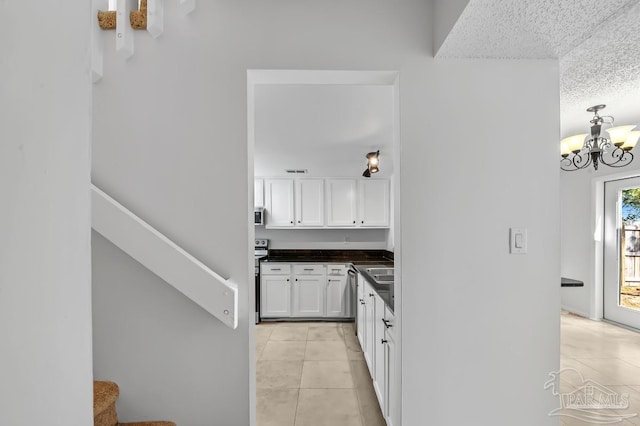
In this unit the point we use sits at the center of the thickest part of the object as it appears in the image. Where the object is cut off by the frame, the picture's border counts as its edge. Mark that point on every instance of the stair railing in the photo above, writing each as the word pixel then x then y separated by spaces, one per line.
pixel 215 294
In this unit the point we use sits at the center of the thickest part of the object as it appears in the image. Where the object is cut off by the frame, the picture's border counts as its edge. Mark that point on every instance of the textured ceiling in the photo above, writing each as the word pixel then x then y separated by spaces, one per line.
pixel 604 69
pixel 526 29
pixel 596 42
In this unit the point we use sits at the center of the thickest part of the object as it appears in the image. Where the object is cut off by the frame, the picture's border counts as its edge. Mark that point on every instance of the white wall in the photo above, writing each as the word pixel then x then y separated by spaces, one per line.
pixel 577 240
pixel 45 292
pixel 477 322
pixel 330 239
pixel 169 343
pixel 170 144
pixel 326 129
pixel 392 215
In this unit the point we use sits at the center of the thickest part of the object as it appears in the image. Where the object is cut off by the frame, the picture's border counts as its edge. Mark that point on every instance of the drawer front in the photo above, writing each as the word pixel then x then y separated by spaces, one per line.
pixel 308 269
pixel 337 269
pixel 275 269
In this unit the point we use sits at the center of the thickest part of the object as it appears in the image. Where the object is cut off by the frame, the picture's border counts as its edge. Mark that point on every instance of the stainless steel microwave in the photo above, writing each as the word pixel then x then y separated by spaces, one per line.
pixel 258 216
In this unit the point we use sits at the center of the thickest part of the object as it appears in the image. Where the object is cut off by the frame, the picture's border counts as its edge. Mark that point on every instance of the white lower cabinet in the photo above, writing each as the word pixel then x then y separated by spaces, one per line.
pixel 304 291
pixel 361 307
pixel 339 295
pixel 390 394
pixel 369 324
pixel 308 293
pixel 376 334
pixel 378 350
pixel 275 296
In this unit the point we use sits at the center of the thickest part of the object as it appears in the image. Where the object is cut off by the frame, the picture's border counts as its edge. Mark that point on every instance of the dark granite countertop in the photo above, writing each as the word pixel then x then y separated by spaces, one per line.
pixel 361 259
pixel 356 257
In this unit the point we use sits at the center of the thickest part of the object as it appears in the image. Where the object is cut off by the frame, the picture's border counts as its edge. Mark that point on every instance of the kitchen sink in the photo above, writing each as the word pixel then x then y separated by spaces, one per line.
pixel 379 271
pixel 384 278
pixel 381 275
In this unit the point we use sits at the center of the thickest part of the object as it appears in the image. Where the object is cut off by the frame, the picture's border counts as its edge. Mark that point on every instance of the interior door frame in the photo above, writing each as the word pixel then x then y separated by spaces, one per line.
pixel 257 77
pixel 624 316
pixel 597 222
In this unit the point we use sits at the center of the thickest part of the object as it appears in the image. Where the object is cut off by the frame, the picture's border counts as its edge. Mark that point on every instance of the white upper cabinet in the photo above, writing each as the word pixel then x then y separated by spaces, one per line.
pixel 341 202
pixel 324 203
pixel 373 203
pixel 258 193
pixel 279 202
pixel 309 202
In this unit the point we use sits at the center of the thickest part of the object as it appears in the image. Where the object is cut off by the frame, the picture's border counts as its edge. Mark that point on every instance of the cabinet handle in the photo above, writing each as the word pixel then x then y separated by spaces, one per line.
pixel 296 279
pixel 287 279
pixel 386 323
pixel 371 295
pixel 276 269
pixel 354 221
pixel 362 221
pixel 383 341
pixel 291 221
pixel 308 269
pixel 362 301
pixel 333 281
pixel 298 221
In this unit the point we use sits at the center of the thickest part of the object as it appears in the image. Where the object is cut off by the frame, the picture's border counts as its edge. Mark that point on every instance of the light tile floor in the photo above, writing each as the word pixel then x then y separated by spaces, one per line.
pixel 604 353
pixel 313 374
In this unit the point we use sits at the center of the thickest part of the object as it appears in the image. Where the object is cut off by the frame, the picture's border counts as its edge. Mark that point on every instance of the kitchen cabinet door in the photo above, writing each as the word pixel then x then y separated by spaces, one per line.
pixel 361 313
pixel 369 349
pixel 373 203
pixel 279 202
pixel 337 297
pixel 390 410
pixel 258 193
pixel 310 202
pixel 378 372
pixel 308 295
pixel 341 202
pixel 275 296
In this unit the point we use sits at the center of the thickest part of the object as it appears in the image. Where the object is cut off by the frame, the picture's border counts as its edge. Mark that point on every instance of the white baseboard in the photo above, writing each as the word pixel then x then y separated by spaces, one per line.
pixel 576 311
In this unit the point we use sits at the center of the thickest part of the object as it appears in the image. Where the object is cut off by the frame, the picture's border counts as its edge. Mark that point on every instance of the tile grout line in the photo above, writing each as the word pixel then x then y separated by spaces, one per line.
pixel 353 380
pixel 304 355
pixel 342 333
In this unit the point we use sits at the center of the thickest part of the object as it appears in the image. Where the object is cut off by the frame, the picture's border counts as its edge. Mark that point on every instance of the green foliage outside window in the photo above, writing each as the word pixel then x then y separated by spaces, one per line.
pixel 631 205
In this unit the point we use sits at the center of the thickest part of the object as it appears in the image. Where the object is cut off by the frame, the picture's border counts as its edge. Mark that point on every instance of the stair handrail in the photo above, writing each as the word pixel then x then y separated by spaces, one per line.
pixel 214 293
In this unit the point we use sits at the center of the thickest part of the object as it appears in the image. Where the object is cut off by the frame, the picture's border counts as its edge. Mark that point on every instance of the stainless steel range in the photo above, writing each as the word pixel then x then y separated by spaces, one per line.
pixel 261 249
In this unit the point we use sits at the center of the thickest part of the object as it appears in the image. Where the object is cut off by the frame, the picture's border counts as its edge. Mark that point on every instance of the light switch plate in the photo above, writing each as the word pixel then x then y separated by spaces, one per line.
pixel 517 240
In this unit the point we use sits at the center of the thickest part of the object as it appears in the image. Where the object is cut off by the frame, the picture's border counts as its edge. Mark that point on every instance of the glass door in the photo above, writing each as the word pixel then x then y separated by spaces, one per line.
pixel 622 251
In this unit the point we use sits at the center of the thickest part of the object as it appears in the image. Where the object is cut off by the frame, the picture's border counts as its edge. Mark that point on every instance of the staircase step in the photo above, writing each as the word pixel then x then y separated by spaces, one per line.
pixel 104 407
pixel 104 403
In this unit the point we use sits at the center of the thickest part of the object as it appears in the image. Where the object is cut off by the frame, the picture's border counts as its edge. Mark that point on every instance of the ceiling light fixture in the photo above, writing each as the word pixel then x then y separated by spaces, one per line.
pixel 372 163
pixel 614 151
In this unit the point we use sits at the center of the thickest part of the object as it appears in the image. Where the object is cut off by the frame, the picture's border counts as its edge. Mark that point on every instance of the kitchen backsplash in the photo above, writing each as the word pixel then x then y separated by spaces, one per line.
pixel 334 239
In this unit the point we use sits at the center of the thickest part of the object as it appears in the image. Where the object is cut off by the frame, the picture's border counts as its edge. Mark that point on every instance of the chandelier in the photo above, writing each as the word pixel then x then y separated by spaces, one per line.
pixel 614 151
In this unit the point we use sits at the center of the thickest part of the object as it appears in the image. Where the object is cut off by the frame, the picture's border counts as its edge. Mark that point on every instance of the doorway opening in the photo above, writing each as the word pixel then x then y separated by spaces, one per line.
pixel 621 292
pixel 350 141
